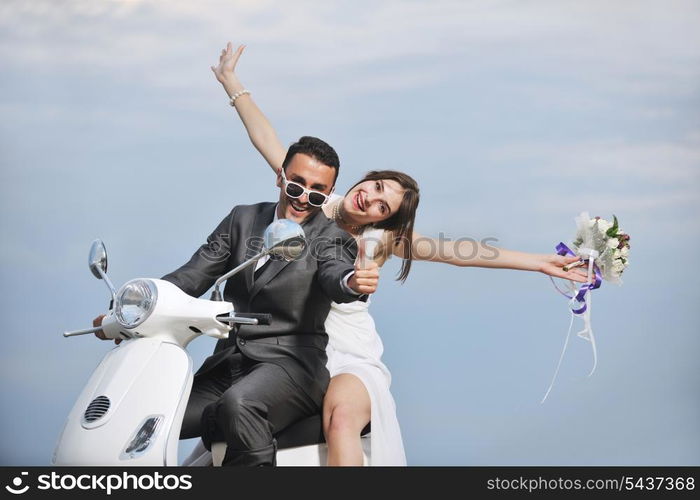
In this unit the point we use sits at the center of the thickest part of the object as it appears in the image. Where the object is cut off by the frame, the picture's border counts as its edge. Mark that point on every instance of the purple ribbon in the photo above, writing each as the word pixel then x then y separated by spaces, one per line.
pixel 562 249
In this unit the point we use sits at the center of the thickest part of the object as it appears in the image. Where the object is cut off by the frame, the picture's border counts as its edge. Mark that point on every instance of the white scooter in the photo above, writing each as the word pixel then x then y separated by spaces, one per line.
pixel 131 410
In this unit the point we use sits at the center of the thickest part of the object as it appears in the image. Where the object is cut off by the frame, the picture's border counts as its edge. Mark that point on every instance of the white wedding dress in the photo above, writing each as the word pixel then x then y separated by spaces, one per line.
pixel 354 347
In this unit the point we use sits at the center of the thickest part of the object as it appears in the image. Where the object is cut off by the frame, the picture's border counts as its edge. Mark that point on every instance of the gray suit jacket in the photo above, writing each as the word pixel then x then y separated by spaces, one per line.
pixel 297 294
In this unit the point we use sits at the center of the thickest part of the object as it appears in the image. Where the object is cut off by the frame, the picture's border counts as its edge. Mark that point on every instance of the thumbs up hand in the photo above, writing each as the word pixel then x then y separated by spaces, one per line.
pixel 366 276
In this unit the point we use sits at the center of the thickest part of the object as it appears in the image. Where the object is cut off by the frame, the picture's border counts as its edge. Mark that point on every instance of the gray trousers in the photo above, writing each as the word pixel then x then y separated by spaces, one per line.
pixel 245 403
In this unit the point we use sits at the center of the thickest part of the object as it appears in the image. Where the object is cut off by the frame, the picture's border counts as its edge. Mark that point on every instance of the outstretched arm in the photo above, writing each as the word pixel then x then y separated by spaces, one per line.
pixel 468 252
pixel 259 129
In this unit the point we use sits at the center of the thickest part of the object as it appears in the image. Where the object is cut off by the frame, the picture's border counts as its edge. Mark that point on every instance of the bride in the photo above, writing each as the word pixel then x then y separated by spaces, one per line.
pixel 379 211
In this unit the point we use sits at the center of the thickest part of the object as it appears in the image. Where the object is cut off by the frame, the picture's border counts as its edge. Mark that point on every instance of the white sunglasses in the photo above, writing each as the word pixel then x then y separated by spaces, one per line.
pixel 295 190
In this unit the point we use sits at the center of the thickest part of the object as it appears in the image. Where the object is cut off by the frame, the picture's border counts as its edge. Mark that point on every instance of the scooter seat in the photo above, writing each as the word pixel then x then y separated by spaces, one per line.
pixel 305 432
pixel 299 437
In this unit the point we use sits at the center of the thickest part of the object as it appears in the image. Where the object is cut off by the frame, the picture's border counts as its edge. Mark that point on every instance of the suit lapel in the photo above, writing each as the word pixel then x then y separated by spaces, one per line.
pixel 271 270
pixel 255 244
pixel 274 267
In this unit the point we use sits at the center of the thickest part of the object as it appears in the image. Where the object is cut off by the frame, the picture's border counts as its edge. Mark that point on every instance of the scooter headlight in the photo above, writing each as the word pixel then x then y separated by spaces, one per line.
pixel 135 302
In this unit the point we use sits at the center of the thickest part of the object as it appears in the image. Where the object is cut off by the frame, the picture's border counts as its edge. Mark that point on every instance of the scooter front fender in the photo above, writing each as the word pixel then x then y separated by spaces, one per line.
pixel 141 379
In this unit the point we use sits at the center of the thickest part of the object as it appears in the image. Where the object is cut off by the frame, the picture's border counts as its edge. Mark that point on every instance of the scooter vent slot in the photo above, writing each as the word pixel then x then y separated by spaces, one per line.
pixel 96 409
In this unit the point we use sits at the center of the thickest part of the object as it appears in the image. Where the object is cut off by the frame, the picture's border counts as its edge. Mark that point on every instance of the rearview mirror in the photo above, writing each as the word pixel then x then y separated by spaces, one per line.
pixel 98 264
pixel 98 259
pixel 285 239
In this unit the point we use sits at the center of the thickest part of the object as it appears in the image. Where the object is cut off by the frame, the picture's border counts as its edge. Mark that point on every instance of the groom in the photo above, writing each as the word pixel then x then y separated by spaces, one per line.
pixel 265 378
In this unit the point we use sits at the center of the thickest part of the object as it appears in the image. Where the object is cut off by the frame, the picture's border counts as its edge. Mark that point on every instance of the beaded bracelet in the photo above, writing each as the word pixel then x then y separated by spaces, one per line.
pixel 235 96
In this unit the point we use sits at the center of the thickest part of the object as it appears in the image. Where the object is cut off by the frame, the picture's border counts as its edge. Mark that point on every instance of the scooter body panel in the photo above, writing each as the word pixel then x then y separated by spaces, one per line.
pixel 141 379
pixel 317 455
pixel 314 455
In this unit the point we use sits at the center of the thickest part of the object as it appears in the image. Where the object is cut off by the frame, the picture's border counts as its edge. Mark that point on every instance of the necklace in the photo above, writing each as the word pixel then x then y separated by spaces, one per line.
pixel 338 217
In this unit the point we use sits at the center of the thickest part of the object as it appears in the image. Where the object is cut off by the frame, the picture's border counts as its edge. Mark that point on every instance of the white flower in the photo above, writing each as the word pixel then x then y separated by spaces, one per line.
pixel 618 266
pixel 612 243
pixel 617 253
pixel 625 251
pixel 604 225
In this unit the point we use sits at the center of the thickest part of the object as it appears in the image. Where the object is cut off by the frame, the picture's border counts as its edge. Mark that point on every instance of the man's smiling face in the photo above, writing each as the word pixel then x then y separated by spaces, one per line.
pixel 313 175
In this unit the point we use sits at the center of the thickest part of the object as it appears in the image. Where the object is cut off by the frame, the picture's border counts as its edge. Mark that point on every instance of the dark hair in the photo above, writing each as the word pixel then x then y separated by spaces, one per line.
pixel 315 148
pixel 401 222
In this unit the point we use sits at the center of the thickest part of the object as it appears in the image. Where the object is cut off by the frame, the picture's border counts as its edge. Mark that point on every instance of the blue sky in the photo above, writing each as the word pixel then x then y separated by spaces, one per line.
pixel 513 116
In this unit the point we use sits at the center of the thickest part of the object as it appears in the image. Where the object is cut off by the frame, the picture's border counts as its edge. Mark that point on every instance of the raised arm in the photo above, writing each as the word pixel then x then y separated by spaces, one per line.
pixel 259 129
pixel 465 252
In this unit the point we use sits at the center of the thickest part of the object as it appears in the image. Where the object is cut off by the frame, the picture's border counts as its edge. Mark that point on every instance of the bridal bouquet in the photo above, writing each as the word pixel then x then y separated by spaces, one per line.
pixel 604 248
pixel 609 241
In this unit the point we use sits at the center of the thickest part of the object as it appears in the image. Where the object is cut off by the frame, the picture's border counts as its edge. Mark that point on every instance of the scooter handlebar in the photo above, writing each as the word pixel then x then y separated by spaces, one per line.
pixel 109 326
pixel 263 318
pixel 82 332
pixel 247 318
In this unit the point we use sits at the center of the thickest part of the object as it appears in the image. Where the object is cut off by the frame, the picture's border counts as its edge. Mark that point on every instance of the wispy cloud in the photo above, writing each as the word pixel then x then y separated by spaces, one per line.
pixel 627 46
pixel 659 162
pixel 514 116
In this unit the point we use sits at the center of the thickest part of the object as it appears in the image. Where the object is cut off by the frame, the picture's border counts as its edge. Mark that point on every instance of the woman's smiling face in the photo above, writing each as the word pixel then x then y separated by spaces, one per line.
pixel 372 201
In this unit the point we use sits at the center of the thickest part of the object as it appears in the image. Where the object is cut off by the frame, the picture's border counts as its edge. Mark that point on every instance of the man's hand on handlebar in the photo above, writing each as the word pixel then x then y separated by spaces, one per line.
pixel 99 333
